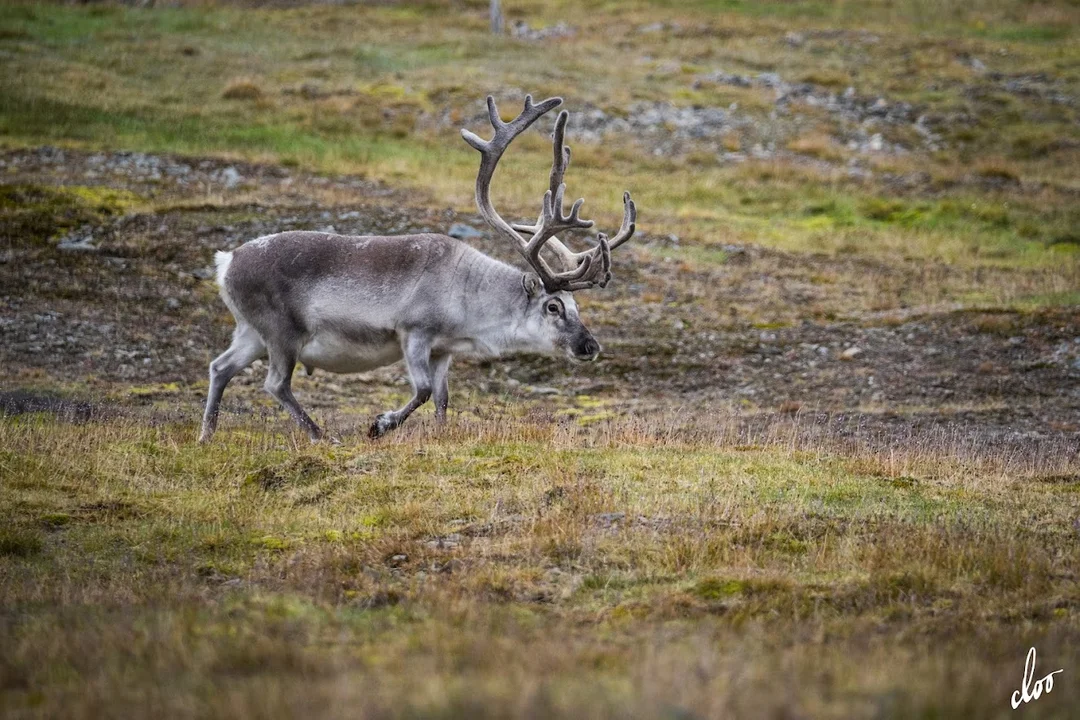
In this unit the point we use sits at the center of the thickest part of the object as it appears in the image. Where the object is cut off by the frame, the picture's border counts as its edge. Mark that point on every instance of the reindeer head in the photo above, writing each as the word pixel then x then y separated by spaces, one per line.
pixel 555 316
pixel 552 320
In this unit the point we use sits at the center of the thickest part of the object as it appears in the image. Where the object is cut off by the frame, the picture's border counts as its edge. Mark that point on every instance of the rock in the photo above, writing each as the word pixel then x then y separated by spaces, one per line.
pixel 521 29
pixel 231 177
pixel 611 518
pixel 77 242
pixel 447 542
pixel 770 80
pixel 172 303
pixel 461 231
pixel 795 39
pixel 851 353
pixel 204 273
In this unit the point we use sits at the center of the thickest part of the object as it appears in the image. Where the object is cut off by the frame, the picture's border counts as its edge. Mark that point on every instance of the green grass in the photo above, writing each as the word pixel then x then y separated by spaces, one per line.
pixel 155 80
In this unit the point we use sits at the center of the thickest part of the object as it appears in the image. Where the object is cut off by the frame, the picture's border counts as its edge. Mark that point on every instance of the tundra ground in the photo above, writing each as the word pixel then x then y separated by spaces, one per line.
pixel 827 465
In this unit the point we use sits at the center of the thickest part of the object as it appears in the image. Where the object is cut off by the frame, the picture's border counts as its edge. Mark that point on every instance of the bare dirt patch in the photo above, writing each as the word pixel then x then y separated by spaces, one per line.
pixel 754 330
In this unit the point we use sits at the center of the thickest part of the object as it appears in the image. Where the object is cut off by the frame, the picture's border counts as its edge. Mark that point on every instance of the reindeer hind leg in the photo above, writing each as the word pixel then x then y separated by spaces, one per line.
pixel 440 393
pixel 246 348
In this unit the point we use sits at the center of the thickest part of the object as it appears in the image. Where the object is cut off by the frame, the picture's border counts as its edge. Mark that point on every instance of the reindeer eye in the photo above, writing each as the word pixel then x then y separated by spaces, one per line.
pixel 553 308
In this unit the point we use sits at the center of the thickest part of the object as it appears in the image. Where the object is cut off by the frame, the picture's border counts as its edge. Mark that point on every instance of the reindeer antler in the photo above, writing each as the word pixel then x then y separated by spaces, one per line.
pixel 582 270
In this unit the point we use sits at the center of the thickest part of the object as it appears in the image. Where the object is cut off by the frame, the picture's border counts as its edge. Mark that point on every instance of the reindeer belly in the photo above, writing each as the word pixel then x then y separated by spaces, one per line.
pixel 464 347
pixel 348 353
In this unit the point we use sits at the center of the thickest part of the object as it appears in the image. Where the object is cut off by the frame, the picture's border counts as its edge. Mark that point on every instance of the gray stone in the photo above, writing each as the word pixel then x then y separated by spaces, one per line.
pixel 77 242
pixel 461 231
pixel 231 177
pixel 446 542
pixel 794 39
pixel 611 518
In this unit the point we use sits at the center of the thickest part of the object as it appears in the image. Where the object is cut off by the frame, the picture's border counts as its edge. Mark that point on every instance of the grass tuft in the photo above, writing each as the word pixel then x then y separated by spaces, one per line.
pixel 19 542
pixel 242 89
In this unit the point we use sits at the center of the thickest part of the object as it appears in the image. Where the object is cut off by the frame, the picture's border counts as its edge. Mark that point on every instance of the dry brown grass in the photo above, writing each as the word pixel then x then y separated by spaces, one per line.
pixel 242 89
pixel 512 566
pixel 817 144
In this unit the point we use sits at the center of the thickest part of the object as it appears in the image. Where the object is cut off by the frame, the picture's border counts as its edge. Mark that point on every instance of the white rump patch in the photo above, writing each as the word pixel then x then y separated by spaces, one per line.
pixel 222 260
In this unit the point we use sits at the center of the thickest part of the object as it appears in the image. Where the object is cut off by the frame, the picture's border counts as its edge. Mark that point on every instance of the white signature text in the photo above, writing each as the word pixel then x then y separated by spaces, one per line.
pixel 1029 691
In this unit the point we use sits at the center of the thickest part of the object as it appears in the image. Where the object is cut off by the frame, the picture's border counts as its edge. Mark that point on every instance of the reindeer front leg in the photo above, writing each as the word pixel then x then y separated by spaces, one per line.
pixel 417 350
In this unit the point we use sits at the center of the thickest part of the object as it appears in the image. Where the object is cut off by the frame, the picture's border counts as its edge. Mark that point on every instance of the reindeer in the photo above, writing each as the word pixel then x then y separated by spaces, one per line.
pixel 355 303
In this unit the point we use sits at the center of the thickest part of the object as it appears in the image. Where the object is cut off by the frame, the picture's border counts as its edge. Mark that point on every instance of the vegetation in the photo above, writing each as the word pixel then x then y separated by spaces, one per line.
pixel 827 465
pixel 368 91
pixel 507 566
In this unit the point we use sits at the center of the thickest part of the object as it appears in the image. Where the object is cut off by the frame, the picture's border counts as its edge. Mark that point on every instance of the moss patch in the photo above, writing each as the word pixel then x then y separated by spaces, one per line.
pixel 32 214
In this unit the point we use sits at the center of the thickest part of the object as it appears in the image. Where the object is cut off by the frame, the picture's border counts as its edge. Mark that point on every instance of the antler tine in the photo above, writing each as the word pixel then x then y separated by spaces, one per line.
pixel 493 112
pixel 560 149
pixel 605 258
pixel 629 222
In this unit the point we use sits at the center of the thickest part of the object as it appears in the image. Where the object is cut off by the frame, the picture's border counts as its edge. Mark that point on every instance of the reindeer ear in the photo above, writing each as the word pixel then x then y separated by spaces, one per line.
pixel 532 284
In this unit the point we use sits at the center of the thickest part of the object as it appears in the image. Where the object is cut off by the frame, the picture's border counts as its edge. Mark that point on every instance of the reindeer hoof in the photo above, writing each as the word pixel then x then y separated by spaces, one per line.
pixel 382 425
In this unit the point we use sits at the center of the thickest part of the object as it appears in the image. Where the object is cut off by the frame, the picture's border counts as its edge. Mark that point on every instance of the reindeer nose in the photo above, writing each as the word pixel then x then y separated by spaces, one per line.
pixel 591 347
